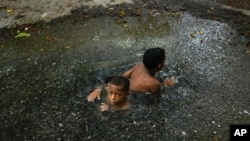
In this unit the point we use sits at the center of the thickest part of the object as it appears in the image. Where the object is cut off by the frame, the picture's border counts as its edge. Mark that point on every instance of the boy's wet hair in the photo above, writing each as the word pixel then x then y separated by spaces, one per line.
pixel 153 57
pixel 119 81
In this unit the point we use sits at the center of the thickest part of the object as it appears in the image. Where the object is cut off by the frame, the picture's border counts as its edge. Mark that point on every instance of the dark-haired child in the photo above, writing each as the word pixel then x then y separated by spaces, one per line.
pixel 117 94
pixel 142 75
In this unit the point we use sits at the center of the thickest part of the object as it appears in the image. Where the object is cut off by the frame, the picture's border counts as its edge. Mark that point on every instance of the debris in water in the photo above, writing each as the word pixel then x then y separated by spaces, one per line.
pixel 144 5
pixel 110 8
pixel 183 133
pixel 125 25
pixel 192 35
pixel 201 32
pixel 60 124
pixel 246 112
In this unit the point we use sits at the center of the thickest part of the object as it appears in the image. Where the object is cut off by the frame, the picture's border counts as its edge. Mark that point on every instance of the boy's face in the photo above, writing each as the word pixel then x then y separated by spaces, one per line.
pixel 116 94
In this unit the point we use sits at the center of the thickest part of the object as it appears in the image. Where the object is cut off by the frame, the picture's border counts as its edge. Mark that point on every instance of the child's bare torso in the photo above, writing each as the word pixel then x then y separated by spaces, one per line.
pixel 141 80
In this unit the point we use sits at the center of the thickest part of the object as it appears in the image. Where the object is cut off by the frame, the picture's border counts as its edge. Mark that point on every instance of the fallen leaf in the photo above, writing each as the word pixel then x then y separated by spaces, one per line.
pixel 68 46
pixel 10 10
pixel 50 39
pixel 86 16
pixel 122 13
pixel 138 13
pixel 22 34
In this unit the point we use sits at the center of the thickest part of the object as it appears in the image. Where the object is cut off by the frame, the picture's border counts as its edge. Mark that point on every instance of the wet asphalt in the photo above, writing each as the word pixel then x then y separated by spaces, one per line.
pixel 45 78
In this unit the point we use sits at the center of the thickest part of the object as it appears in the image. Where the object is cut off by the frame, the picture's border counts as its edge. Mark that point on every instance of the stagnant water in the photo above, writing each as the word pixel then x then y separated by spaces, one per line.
pixel 45 78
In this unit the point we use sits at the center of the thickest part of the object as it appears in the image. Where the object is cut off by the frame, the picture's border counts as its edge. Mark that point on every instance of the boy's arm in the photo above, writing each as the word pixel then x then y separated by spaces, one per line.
pixel 128 73
pixel 95 94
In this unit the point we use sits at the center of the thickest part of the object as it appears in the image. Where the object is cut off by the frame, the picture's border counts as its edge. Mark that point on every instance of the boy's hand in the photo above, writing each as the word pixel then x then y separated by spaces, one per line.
pixel 104 107
pixel 169 82
pixel 95 94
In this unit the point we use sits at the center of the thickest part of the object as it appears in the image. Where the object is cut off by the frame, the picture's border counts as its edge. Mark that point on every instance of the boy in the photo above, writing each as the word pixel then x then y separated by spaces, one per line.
pixel 142 75
pixel 117 94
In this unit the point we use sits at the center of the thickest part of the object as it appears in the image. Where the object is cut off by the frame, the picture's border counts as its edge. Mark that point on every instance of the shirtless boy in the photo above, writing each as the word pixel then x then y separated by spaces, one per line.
pixel 142 75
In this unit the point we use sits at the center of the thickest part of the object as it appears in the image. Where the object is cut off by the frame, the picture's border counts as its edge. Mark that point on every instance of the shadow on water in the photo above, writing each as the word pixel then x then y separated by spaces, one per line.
pixel 46 77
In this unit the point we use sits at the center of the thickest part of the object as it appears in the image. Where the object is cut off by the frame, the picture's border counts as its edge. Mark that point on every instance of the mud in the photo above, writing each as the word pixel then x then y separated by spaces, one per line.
pixel 45 78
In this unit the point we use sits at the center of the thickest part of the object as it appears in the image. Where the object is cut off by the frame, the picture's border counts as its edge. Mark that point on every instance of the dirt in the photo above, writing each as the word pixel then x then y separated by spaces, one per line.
pixel 238 4
pixel 17 12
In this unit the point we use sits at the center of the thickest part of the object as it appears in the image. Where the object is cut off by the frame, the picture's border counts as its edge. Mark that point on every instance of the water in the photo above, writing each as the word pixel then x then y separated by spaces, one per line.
pixel 46 78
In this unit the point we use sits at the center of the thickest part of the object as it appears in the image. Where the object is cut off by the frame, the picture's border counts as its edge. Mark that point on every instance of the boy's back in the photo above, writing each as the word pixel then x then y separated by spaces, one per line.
pixel 141 79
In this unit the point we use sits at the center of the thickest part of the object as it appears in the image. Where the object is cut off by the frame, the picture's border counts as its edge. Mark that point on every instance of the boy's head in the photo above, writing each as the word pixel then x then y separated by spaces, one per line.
pixel 118 89
pixel 154 58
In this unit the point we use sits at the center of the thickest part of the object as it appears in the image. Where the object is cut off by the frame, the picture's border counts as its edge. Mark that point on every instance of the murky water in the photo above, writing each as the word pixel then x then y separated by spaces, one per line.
pixel 46 78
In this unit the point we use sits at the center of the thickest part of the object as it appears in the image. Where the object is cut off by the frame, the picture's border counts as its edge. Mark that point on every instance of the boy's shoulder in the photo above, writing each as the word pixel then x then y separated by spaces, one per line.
pixel 153 82
pixel 150 84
